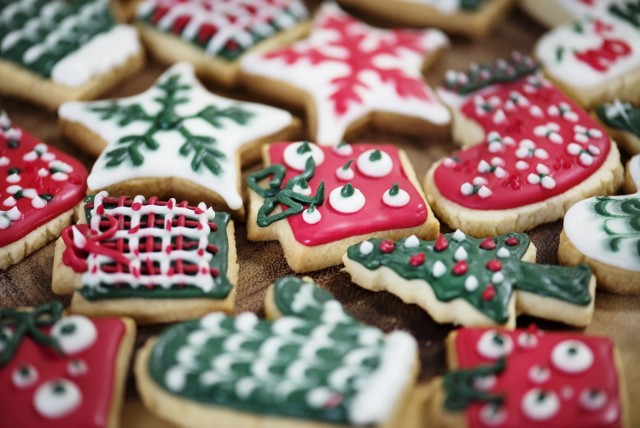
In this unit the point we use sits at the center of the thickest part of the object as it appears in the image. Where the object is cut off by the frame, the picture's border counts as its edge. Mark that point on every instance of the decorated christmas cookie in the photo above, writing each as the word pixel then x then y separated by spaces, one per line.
pixel 531 151
pixel 214 35
pixel 529 378
pixel 474 282
pixel 470 17
pixel 596 58
pixel 557 12
pixel 310 364
pixel 604 232
pixel 53 51
pixel 40 189
pixel 62 371
pixel 153 260
pixel 319 200
pixel 622 122
pixel 174 140
pixel 348 74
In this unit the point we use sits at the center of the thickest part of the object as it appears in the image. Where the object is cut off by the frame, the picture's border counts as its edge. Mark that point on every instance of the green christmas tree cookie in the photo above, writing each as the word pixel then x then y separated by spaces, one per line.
pixel 311 361
pixel 473 282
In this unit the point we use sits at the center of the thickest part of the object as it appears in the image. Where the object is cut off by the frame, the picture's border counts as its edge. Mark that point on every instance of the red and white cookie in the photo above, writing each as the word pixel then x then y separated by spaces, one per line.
pixel 319 200
pixel 527 378
pixel 348 74
pixel 62 371
pixel 531 153
pixel 40 188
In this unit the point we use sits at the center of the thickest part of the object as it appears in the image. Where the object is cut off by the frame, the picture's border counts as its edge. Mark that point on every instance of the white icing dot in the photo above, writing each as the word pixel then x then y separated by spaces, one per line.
pixel 503 253
pixel 74 333
pixel 346 205
pixel 539 374
pixel 412 242
pixel 57 398
pixel 466 189
pixel 540 405
pixel 297 188
pixel 77 368
pixel 484 192
pixel 366 248
pixel 4 161
pixel 572 356
pixel 459 236
pixel 374 167
pixel 43 172
pixel 24 376
pixel 175 378
pixel 497 277
pixel 343 149
pixel 460 254
pixel 493 415
pixel 592 399
pixel 548 182
pixel 471 283
pixel 494 344
pixel 297 160
pixel 311 217
pixel 522 165
pixel 484 383
pixel 246 322
pixel 318 397
pixel 396 201
pixel 527 340
pixel 38 203
pixel 13 178
pixel 438 269
pixel 345 174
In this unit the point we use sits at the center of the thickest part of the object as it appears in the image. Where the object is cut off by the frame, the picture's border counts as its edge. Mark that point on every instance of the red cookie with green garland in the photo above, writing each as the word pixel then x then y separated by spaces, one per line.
pixel 529 378
pixel 40 189
pixel 319 200
pixel 62 371
pixel 530 152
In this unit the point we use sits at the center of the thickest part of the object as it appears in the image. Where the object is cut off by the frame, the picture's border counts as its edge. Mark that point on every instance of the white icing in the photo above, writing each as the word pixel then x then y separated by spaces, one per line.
pixel 492 415
pixel 396 201
pixel 539 374
pixel 471 283
pixel 57 398
pixel 74 333
pixel 527 340
pixel 572 356
pixel 459 236
pixel 503 253
pixel 592 400
pixel 412 242
pixel 176 378
pixel 460 254
pixel 540 409
pixel 297 188
pixel 6 217
pixel 493 345
pixel 345 174
pixel 497 277
pixel 438 269
pixel 343 149
pixel 296 160
pixel 166 161
pixel 346 205
pixel 77 368
pixel 318 79
pixel 374 168
pixel 366 248
pixel 24 376
pixel 311 217
pixel 484 383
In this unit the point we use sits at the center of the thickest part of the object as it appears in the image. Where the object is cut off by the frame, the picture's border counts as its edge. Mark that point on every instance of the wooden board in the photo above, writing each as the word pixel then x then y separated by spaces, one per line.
pixel 29 282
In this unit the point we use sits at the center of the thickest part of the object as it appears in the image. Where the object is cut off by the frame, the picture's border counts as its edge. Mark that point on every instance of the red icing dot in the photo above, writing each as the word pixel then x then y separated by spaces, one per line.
pixel 168 250
pixel 489 293
pixel 201 252
pixel 512 241
pixel 488 244
pixel 136 206
pixel 460 268
pixel 441 244
pixel 416 259
pixel 494 265
pixel 387 246
pixel 100 209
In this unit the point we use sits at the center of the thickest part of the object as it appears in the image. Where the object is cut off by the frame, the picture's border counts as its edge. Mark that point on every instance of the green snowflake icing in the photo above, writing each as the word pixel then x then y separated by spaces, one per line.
pixel 613 210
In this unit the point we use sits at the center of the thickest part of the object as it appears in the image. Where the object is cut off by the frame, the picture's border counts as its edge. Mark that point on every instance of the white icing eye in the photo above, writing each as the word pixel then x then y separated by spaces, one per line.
pixel 57 398
pixel 346 199
pixel 593 399
pixel 311 215
pixel 540 405
pixel 296 154
pixel 539 374
pixel 527 340
pixel 572 356
pixel 24 376
pixel 484 383
pixel 494 345
pixel 375 163
pixel 366 248
pixel 74 333
pixel 493 415
pixel 77 367
pixel 395 197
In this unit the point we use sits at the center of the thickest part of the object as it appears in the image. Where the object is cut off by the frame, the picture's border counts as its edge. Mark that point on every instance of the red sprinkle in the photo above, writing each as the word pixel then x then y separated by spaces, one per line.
pixel 488 244
pixel 460 268
pixel 512 241
pixel 441 244
pixel 387 246
pixel 416 259
pixel 494 265
pixel 489 293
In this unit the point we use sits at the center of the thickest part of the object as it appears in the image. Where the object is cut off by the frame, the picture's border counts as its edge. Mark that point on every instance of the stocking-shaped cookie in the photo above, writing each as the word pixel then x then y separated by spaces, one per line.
pixel 40 189
pixel 475 282
pixel 604 232
pixel 62 371
pixel 622 121
pixel 529 378
pixel 309 365
pixel 532 154
pixel 152 260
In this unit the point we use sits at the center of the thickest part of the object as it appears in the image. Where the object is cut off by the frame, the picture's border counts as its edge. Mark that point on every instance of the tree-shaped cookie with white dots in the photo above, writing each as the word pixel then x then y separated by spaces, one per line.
pixel 318 200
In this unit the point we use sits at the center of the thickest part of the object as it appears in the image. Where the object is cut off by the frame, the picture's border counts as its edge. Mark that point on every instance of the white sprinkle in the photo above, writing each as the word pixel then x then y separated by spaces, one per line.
pixel 411 242
pixel 460 254
pixel 438 269
pixel 366 248
pixel 459 236
pixel 471 283
pixel 503 253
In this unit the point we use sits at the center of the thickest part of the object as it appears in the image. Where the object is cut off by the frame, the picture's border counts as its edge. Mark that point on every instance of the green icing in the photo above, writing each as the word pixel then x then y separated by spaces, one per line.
pixel 200 148
pixel 472 4
pixel 459 389
pixel 274 195
pixel 38 34
pixel 15 325
pixel 220 290
pixel 621 116
pixel 311 363
pixel 621 221
pixel 490 296
pixel 628 11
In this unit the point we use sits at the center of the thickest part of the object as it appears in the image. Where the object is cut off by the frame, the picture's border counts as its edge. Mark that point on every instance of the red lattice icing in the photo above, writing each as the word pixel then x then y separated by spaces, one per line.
pixel 95 379
pixel 375 215
pixel 37 182
pixel 580 388
pixel 538 144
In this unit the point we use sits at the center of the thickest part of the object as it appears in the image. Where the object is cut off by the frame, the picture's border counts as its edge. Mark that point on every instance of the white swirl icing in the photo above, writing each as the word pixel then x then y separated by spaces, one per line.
pixel 297 160
pixel 374 168
pixel 572 356
pixel 346 205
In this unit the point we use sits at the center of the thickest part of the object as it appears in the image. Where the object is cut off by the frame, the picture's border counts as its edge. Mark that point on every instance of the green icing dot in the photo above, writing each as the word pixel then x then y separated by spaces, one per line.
pixel 375 156
pixel 304 148
pixel 394 189
pixel 347 191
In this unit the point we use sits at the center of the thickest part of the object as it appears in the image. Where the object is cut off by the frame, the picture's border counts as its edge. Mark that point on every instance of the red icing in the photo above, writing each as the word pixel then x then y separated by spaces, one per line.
pixel 66 194
pixel 603 57
pixel 488 244
pixel 373 217
pixel 514 381
pixel 96 386
pixel 513 189
pixel 416 259
pixel 512 241
pixel 494 265
pixel 387 246
pixel 489 293
pixel 441 243
pixel 460 268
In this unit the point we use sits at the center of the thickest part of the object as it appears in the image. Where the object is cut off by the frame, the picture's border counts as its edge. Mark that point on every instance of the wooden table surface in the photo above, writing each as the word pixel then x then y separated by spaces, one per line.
pixel 29 282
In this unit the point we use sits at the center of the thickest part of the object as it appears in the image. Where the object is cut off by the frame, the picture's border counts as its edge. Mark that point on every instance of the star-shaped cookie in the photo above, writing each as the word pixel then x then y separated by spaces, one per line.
pixel 174 140
pixel 348 74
